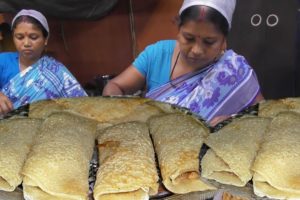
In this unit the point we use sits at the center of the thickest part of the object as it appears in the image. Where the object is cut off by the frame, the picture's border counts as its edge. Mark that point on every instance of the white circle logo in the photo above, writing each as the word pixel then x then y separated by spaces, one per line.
pixel 256 20
pixel 272 20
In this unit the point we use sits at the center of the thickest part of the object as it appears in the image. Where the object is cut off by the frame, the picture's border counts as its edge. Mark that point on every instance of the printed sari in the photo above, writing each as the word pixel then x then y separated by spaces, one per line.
pixel 223 88
pixel 46 79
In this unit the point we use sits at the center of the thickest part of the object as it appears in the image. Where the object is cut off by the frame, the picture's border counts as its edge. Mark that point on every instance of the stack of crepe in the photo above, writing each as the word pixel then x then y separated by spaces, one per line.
pixel 178 140
pixel 58 163
pixel 16 138
pixel 277 165
pixel 103 109
pixel 127 163
pixel 233 150
pixel 270 108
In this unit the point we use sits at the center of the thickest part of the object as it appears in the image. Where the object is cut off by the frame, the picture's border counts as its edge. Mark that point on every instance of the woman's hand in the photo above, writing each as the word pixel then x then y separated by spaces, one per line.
pixel 218 119
pixel 5 104
pixel 128 82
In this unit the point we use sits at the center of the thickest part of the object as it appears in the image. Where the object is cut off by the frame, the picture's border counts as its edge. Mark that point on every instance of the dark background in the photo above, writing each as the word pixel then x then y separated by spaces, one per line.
pixel 271 49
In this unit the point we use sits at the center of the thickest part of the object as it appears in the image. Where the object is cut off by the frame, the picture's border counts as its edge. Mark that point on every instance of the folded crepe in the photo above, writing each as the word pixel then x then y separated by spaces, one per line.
pixel 140 113
pixel 127 163
pixel 58 163
pixel 167 107
pixel 178 139
pixel 109 110
pixel 16 138
pixel 277 165
pixel 270 108
pixel 43 108
pixel 233 150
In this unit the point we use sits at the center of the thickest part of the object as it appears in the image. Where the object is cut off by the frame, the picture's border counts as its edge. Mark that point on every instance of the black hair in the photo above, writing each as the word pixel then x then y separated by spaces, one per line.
pixel 210 14
pixel 29 19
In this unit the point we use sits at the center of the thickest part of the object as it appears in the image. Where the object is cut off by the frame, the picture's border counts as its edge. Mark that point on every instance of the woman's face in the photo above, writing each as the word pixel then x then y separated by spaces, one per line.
pixel 200 43
pixel 29 41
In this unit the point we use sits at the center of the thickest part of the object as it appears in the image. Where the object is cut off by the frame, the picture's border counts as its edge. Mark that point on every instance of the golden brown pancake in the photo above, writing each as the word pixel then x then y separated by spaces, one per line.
pixel 127 163
pixel 233 150
pixel 277 165
pixel 16 138
pixel 178 139
pixel 58 163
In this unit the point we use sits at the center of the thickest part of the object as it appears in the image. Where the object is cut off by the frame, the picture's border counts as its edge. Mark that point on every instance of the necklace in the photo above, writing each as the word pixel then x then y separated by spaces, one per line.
pixel 173 68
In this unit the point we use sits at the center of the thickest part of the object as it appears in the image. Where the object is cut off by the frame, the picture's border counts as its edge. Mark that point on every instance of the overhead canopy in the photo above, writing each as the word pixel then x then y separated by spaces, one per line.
pixel 63 9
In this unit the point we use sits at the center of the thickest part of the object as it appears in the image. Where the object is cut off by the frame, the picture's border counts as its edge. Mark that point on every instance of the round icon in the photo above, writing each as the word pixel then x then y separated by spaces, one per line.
pixel 272 20
pixel 256 20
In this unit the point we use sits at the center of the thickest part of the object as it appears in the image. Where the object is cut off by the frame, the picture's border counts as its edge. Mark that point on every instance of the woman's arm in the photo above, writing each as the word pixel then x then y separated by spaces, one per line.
pixel 128 82
pixel 5 104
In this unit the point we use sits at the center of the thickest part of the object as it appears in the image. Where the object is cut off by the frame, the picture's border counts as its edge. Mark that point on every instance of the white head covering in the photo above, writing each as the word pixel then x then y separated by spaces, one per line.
pixel 35 14
pixel 225 7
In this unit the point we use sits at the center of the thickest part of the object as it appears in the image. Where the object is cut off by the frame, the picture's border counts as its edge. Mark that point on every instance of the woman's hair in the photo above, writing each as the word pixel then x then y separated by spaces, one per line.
pixel 29 19
pixel 196 13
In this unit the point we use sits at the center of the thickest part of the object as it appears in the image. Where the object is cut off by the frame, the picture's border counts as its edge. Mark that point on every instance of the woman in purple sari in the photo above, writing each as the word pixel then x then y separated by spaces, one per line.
pixel 196 71
pixel 27 75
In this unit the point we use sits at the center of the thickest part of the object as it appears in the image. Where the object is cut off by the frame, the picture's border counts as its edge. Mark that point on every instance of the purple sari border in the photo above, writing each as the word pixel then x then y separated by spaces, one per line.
pixel 172 83
pixel 236 104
